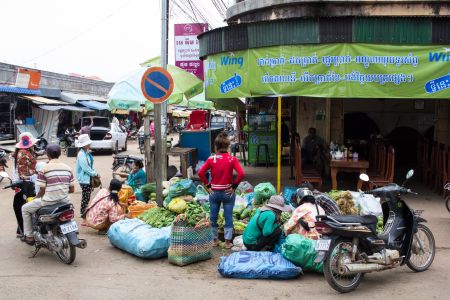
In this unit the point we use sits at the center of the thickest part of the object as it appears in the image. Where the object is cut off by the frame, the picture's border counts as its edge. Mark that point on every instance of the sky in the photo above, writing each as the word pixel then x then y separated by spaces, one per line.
pixel 105 38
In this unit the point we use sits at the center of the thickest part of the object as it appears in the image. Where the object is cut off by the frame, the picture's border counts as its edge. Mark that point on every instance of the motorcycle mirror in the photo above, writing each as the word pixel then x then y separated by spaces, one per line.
pixel 364 177
pixel 4 174
pixel 410 174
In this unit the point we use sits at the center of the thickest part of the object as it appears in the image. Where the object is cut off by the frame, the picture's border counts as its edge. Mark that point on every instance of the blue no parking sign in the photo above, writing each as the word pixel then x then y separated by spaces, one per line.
pixel 157 84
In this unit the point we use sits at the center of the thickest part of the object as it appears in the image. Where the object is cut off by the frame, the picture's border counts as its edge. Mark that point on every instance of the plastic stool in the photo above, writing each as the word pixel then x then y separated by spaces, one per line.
pixel 239 147
pixel 266 148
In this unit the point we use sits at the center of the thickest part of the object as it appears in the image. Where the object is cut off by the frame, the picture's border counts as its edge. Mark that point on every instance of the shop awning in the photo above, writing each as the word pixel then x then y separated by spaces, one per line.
pixel 42 100
pixel 94 105
pixel 18 90
pixel 73 98
pixel 65 107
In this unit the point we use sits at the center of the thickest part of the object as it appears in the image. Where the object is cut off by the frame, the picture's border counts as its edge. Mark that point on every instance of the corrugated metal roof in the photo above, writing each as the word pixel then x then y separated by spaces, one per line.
pixel 285 32
pixel 392 30
pixel 48 92
pixel 72 98
pixel 388 30
pixel 441 31
pixel 94 105
pixel 235 38
pixel 42 100
pixel 65 107
pixel 335 30
pixel 18 90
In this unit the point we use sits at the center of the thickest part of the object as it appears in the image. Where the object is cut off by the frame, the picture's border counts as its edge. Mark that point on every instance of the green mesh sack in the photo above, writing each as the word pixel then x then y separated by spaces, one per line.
pixel 301 251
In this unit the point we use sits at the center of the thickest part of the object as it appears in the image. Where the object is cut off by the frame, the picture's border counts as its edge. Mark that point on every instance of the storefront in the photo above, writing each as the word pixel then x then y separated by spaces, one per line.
pixel 352 77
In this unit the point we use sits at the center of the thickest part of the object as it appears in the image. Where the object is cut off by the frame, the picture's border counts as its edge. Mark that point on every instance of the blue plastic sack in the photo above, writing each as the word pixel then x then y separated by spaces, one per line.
pixel 257 265
pixel 182 187
pixel 140 239
pixel 278 248
pixel 288 192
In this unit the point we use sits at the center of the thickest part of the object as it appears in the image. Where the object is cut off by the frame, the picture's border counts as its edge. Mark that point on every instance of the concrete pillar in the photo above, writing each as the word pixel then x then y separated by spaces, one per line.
pixel 337 121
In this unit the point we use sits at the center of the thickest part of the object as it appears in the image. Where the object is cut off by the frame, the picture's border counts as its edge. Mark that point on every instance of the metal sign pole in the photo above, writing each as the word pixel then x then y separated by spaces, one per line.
pixel 161 112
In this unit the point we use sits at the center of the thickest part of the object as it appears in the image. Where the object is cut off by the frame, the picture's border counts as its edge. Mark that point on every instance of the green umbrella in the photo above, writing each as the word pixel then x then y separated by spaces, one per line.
pixel 198 102
pixel 126 93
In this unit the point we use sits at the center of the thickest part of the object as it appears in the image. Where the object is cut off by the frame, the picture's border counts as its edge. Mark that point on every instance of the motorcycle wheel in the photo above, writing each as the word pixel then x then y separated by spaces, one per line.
pixel 68 252
pixel 336 254
pixel 422 255
pixel 447 203
pixel 121 169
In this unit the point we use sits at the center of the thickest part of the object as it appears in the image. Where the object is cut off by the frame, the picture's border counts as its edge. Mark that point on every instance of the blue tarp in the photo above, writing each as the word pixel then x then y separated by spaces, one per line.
pixel 94 105
pixel 18 90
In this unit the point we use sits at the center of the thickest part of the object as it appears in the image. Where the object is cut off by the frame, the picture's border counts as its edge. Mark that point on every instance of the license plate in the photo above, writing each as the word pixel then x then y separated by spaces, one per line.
pixel 69 227
pixel 323 245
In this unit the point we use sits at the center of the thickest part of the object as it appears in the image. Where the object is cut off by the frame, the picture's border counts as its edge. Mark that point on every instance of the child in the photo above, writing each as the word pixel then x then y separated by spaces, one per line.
pixel 221 166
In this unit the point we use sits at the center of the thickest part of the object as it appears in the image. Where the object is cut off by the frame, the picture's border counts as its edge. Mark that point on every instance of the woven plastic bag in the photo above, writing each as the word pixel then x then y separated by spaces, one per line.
pixel 263 192
pixel 257 265
pixel 190 244
pixel 139 238
pixel 301 251
pixel 182 187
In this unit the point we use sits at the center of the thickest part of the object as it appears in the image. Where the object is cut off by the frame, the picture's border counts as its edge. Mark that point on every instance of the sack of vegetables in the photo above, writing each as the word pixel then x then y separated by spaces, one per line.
pixel 263 192
pixel 182 187
pixel 189 244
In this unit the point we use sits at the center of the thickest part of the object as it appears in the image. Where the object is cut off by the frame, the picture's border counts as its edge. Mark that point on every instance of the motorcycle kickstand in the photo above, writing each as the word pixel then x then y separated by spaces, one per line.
pixel 35 251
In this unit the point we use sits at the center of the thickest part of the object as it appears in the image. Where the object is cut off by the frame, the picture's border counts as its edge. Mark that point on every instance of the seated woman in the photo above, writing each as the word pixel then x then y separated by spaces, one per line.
pixel 137 178
pixel 303 220
pixel 263 230
pixel 105 208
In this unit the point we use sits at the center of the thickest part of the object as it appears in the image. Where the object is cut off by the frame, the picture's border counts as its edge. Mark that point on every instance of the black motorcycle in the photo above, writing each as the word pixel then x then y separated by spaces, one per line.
pixel 41 145
pixel 447 196
pixel 54 229
pixel 67 140
pixel 351 247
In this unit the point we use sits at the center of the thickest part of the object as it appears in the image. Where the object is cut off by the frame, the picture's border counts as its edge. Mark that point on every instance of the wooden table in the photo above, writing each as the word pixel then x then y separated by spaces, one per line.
pixel 183 153
pixel 347 165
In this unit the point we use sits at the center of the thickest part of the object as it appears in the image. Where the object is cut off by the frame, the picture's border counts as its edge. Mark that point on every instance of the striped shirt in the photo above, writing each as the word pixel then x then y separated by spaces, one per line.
pixel 56 177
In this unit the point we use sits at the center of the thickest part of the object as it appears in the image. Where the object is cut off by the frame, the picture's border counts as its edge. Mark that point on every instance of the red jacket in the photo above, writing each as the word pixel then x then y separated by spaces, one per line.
pixel 221 166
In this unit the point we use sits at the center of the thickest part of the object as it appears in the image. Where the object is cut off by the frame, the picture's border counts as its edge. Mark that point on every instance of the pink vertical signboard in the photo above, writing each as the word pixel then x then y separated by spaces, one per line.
pixel 187 47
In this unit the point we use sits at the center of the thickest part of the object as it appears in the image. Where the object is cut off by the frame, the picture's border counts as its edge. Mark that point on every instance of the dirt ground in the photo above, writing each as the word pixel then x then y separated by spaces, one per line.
pixel 101 271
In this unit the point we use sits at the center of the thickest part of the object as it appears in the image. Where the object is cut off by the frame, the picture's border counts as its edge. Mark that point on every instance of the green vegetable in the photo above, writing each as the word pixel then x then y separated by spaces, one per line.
pixel 285 216
pixel 245 213
pixel 158 217
pixel 147 189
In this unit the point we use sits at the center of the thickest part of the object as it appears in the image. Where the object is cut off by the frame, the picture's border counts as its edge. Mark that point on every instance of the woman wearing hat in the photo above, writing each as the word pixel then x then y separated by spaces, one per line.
pixel 25 162
pixel 85 170
pixel 263 230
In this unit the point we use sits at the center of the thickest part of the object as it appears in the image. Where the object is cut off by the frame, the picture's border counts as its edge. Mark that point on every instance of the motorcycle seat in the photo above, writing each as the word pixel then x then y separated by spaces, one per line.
pixel 46 210
pixel 365 220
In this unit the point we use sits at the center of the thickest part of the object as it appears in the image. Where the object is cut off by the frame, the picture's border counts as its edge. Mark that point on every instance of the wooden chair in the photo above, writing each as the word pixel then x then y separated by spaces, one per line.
pixel 380 168
pixel 301 175
pixel 431 165
pixel 389 172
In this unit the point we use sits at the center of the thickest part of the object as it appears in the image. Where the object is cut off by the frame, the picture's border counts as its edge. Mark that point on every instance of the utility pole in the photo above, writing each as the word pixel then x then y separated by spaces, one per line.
pixel 160 160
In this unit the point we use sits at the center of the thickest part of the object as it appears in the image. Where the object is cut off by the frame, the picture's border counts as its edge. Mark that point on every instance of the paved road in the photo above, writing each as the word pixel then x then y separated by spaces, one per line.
pixel 101 271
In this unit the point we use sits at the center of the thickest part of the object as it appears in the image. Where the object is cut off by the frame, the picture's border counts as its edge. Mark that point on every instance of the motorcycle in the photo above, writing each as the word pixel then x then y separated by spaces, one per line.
pixel 54 228
pixel 122 165
pixel 68 140
pixel 41 145
pixel 447 198
pixel 350 246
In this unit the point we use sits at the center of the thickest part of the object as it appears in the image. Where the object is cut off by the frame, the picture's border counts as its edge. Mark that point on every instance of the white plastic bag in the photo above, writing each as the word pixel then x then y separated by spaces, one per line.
pixel 369 205
pixel 244 188
pixel 238 244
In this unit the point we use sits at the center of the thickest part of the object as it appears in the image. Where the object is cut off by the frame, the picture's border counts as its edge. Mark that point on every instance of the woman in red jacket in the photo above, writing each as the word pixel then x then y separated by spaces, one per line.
pixel 222 186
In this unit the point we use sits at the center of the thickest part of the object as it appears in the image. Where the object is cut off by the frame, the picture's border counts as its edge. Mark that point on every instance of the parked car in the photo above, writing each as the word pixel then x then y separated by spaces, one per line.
pixel 106 135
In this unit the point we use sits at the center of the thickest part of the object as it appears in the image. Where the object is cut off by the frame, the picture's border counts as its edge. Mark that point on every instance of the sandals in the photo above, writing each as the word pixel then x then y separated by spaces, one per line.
pixel 216 243
pixel 228 245
pixel 30 241
pixel 19 235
